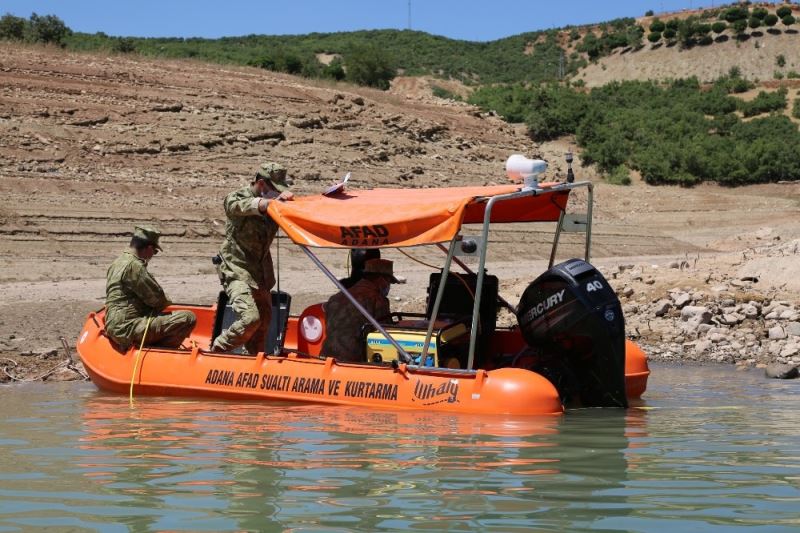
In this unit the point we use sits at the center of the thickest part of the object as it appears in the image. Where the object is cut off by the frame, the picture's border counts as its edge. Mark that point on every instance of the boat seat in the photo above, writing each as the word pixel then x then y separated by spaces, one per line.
pixel 458 300
pixel 281 304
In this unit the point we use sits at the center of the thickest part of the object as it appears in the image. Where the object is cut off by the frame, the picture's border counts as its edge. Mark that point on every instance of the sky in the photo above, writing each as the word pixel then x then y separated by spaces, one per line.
pixel 472 20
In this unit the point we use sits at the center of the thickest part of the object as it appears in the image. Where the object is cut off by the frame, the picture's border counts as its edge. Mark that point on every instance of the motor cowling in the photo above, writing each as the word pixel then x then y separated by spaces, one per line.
pixel 572 319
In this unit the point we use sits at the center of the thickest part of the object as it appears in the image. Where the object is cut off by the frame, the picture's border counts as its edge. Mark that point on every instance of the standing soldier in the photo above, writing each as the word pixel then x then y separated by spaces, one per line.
pixel 344 323
pixel 135 301
pixel 246 268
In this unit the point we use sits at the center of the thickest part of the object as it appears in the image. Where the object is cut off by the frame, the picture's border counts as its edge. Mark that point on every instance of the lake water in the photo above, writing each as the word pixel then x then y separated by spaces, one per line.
pixel 709 449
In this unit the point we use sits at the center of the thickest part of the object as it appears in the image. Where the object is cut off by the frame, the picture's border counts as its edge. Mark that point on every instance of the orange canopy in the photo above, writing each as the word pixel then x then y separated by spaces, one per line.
pixel 375 218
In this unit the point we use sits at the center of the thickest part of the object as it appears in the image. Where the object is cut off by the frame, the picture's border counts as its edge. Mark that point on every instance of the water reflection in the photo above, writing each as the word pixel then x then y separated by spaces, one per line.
pixel 321 466
pixel 707 451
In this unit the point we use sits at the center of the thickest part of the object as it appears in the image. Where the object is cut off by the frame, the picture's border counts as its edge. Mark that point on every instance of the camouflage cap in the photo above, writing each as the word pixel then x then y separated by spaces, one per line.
pixel 275 173
pixel 147 234
pixel 380 266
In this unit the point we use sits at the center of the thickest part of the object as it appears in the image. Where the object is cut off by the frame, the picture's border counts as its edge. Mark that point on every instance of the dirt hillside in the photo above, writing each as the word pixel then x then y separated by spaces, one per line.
pixel 91 145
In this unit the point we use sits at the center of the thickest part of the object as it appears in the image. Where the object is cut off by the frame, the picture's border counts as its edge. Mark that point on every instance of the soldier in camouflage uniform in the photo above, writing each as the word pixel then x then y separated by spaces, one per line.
pixel 133 297
pixel 344 323
pixel 246 270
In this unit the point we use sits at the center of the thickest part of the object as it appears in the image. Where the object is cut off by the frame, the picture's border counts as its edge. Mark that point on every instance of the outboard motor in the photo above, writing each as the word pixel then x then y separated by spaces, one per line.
pixel 573 319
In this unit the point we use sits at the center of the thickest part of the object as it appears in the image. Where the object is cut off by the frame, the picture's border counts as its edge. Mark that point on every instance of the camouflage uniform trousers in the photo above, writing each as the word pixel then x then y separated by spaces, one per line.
pixel 253 309
pixel 167 330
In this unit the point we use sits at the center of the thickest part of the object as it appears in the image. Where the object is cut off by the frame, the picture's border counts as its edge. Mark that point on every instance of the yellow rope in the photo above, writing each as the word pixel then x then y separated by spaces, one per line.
pixel 136 361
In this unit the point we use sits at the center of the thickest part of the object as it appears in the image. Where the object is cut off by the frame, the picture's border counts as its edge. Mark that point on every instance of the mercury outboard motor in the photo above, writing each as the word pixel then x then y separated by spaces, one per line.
pixel 573 319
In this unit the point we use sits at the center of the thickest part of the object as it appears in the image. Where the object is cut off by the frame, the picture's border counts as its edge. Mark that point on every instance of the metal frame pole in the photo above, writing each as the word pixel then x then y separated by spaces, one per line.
pixel 589 205
pixel 438 300
pixel 402 354
pixel 556 239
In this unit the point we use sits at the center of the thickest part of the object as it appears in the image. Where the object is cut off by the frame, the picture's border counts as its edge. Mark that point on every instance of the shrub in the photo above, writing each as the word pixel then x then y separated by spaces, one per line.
pixel 793 75
pixel 735 13
pixel 770 20
pixel 764 102
pixel 783 11
pixel 12 28
pixel 796 108
pixel 619 176
pixel 673 24
pixel 334 70
pixel 669 33
pixel 654 37
pixel 371 66
pixel 780 60
pixel 740 26
pixel 777 75
pixel 788 20
pixel 754 22
pixel 657 26
pixel 760 13
pixel 46 29
pixel 441 92
pixel 719 27
pixel 648 13
pixel 124 45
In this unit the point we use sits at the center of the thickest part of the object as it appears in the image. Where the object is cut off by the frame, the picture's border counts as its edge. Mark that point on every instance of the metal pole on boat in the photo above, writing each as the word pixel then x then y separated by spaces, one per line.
pixel 555 240
pixel 590 202
pixel 401 353
pixel 438 300
pixel 473 334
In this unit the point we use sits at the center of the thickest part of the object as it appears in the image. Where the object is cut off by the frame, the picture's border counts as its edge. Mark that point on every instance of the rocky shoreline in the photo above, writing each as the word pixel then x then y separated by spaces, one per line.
pixel 715 316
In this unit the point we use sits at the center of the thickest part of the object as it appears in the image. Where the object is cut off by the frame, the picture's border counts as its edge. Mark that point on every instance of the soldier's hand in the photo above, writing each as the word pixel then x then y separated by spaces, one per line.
pixel 262 205
pixel 286 196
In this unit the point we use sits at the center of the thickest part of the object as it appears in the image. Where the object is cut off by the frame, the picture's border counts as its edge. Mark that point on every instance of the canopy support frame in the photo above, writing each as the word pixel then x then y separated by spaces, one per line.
pixel 439 295
pixel 487 216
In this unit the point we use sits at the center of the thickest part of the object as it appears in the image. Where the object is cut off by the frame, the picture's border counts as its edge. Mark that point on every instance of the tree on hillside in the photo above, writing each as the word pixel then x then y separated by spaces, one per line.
pixel 657 26
pixel 754 22
pixel 760 13
pixel 770 20
pixel 46 29
pixel 733 14
pixel 719 27
pixel 371 66
pixel 783 11
pixel 12 28
pixel 788 20
pixel 740 26
pixel 654 37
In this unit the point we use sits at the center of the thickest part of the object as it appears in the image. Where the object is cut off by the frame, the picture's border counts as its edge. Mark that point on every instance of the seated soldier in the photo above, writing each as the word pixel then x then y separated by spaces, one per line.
pixel 344 323
pixel 135 301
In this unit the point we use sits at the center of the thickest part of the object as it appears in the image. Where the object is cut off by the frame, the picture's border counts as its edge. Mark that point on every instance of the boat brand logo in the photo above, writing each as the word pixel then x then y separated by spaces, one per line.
pixel 430 394
pixel 376 235
pixel 537 310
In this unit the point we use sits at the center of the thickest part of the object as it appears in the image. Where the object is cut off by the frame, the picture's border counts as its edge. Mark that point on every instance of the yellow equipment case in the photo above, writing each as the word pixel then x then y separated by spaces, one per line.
pixel 448 346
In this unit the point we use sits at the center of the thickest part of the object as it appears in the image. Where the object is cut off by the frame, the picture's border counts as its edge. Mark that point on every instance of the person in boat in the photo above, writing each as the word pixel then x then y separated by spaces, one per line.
pixel 135 302
pixel 345 324
pixel 245 268
pixel 359 256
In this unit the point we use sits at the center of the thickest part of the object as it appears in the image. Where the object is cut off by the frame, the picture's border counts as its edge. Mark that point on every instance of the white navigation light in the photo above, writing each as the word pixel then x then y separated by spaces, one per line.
pixel 520 168
pixel 311 328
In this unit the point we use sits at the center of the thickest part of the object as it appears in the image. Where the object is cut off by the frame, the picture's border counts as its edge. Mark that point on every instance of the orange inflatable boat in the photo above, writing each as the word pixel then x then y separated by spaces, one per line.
pixel 568 347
